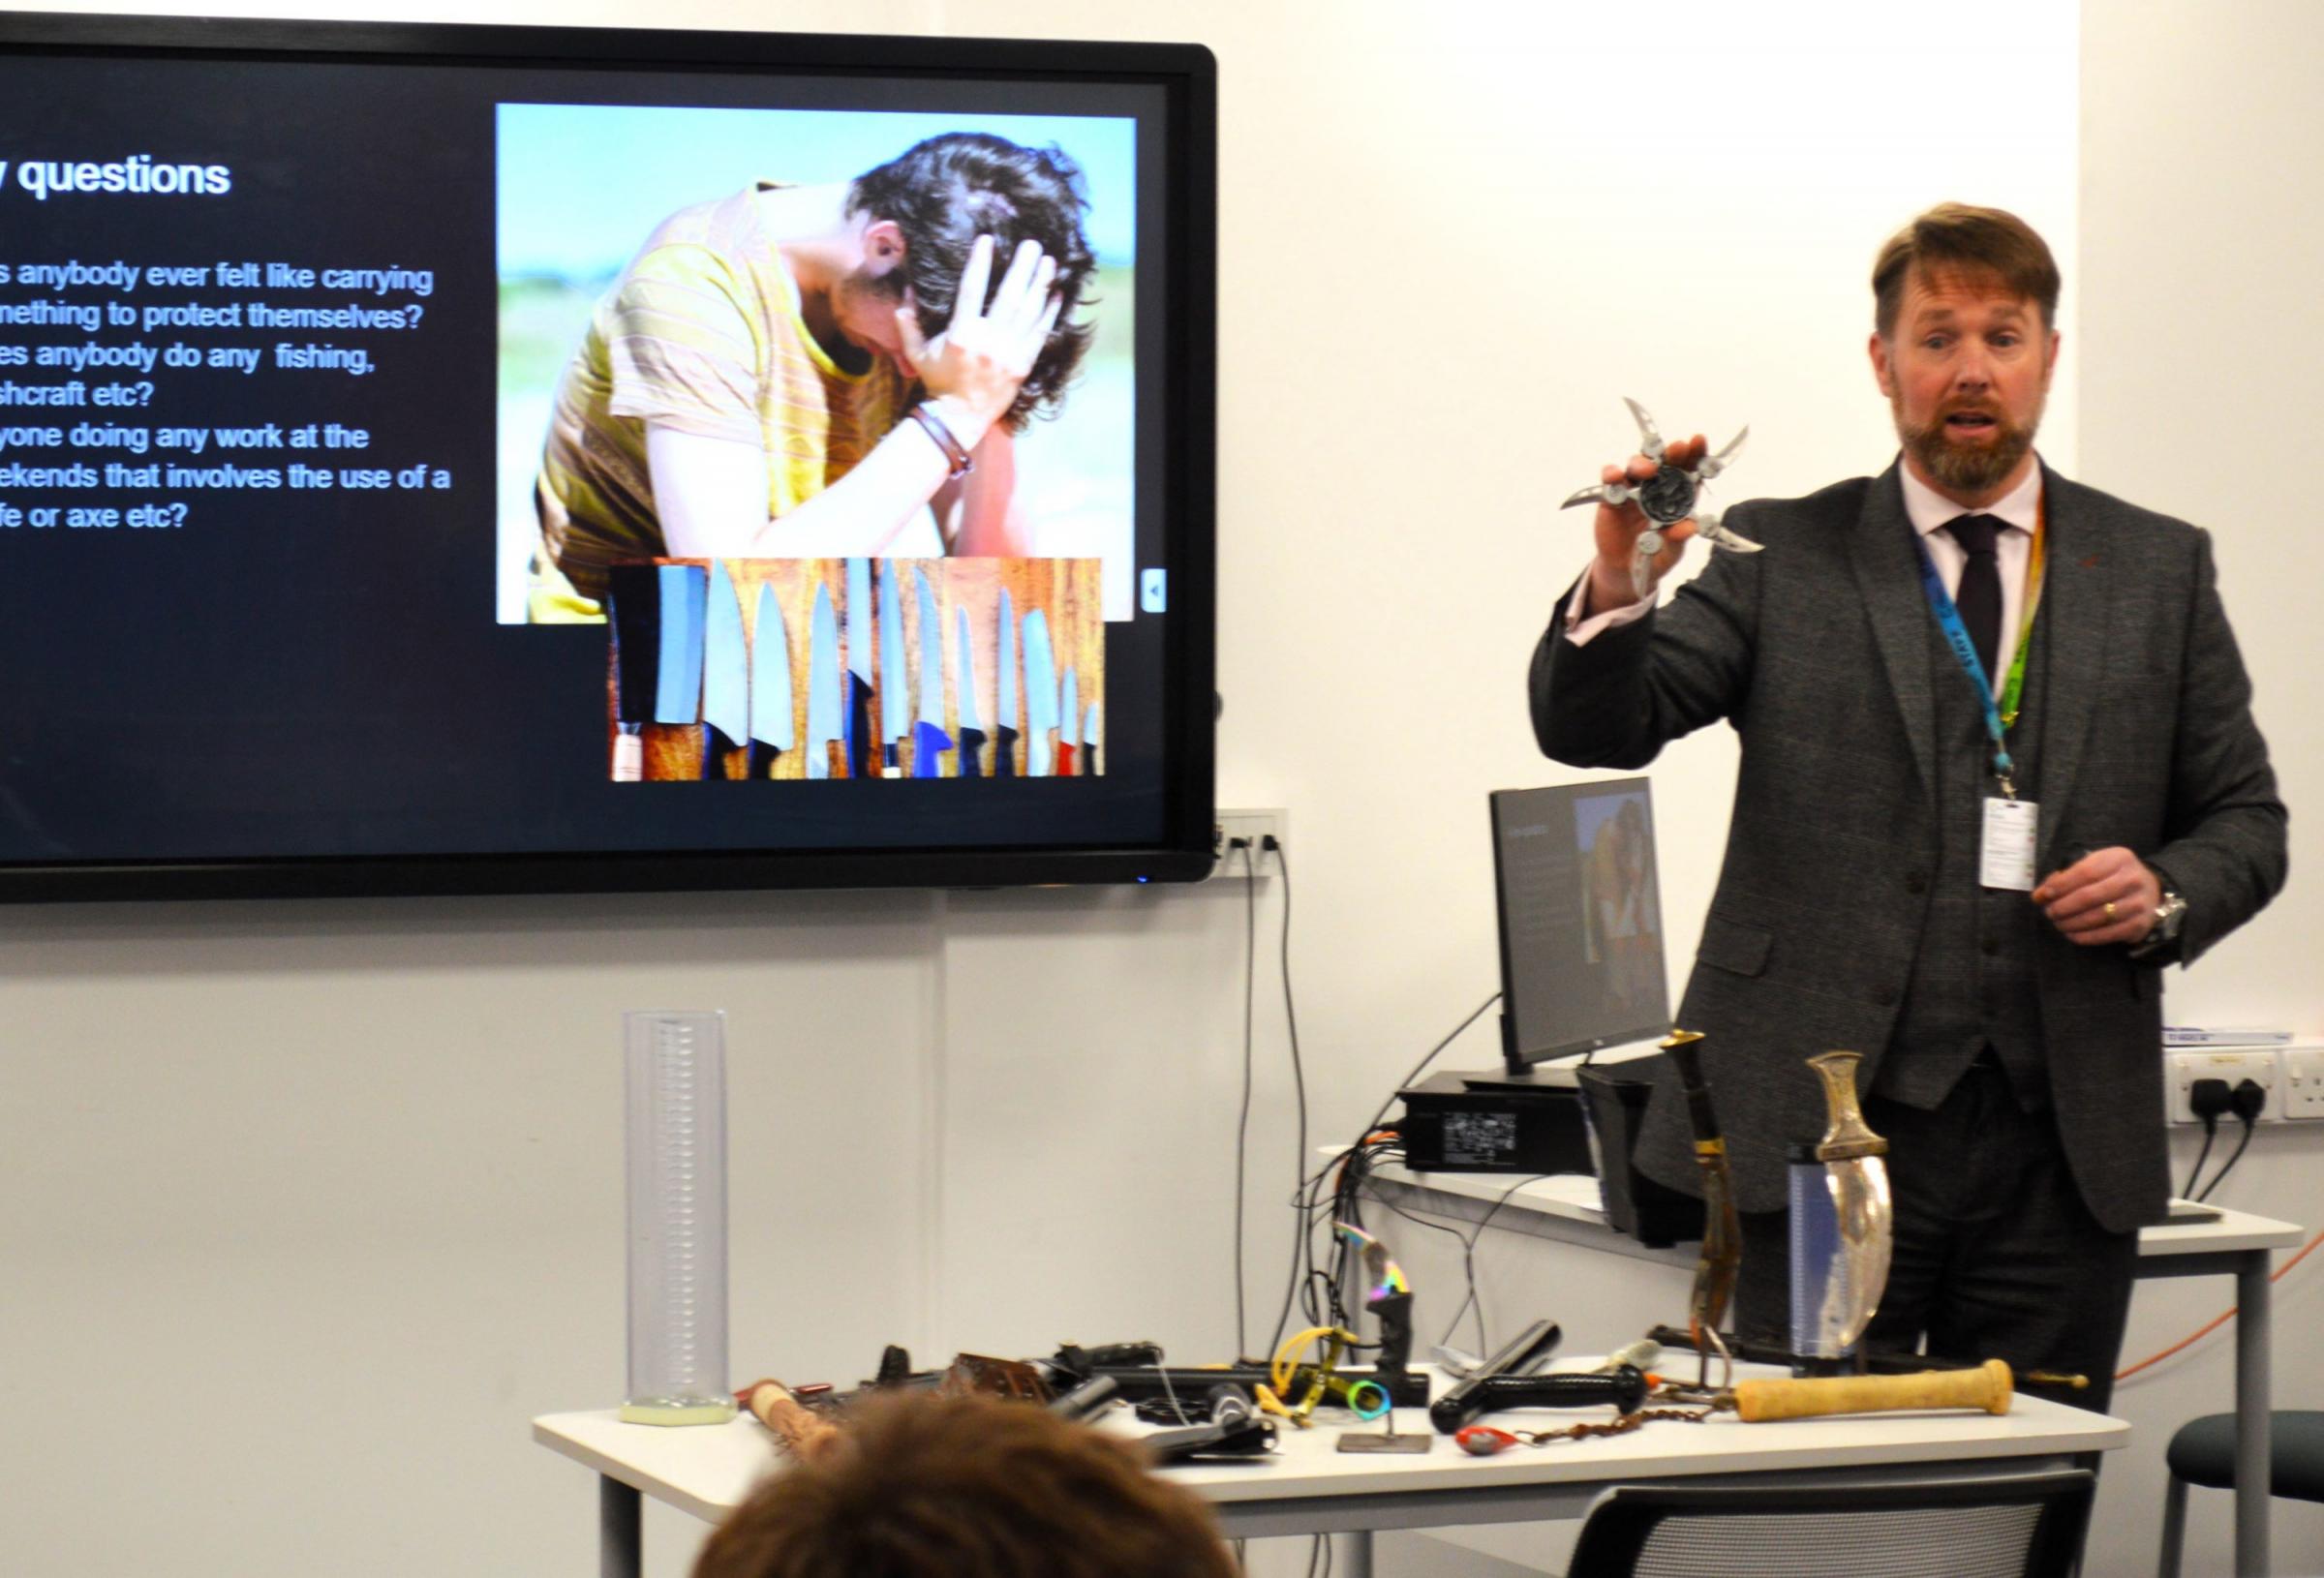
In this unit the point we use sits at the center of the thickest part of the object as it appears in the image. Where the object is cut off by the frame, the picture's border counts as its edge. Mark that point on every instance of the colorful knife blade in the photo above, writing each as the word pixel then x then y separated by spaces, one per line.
pixel 929 742
pixel 1040 694
pixel 726 673
pixel 972 738
pixel 678 689
pixel 1004 748
pixel 856 714
pixel 773 727
pixel 823 682
pixel 895 707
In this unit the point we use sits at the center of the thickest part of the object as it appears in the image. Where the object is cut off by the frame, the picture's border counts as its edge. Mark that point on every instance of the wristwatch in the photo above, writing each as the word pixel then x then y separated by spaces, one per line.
pixel 2169 916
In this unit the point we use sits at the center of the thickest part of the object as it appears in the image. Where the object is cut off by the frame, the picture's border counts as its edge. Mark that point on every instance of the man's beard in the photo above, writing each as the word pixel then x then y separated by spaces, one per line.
pixel 1965 469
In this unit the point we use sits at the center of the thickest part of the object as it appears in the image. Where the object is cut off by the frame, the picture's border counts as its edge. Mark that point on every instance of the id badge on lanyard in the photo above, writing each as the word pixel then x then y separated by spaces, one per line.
pixel 2005 852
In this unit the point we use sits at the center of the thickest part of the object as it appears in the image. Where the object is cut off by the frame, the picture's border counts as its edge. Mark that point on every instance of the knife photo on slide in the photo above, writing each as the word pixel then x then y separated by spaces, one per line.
pixel 855 714
pixel 1040 694
pixel 725 675
pixel 1089 741
pixel 972 738
pixel 929 742
pixel 632 595
pixel 678 686
pixel 895 706
pixel 1004 744
pixel 824 721
pixel 774 729
pixel 1069 712
pixel 1857 1175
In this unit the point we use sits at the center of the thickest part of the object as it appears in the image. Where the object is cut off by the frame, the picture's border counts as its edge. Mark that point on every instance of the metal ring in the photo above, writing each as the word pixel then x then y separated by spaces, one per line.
pixel 2110 909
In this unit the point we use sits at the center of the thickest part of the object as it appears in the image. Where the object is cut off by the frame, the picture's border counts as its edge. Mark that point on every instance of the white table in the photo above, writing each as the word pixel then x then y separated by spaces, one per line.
pixel 1565 1208
pixel 1309 1487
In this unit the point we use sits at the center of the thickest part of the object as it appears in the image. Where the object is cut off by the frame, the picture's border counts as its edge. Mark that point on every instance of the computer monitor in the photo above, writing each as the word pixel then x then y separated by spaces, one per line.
pixel 1582 920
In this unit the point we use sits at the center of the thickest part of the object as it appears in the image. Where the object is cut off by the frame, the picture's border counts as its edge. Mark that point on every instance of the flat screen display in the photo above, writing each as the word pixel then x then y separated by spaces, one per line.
pixel 1581 919
pixel 440 459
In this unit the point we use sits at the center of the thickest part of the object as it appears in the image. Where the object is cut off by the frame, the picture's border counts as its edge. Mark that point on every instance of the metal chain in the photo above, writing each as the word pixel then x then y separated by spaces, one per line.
pixel 1622 1425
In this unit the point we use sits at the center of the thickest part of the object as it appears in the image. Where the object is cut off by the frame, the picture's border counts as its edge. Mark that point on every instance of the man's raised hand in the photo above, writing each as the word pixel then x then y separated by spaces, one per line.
pixel 985 352
pixel 1617 526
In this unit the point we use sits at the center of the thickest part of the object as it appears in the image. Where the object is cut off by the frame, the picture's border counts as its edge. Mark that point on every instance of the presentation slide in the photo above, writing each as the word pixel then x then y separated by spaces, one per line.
pixel 421 459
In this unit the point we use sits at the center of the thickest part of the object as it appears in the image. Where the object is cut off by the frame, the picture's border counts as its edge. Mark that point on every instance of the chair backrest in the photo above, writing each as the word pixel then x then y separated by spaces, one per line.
pixel 2016 1526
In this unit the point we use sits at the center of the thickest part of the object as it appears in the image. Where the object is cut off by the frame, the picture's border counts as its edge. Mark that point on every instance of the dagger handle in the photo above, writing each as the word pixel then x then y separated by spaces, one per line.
pixel 859 723
pixel 629 753
pixel 1089 761
pixel 1005 753
pixel 1064 758
pixel 1846 1136
pixel 762 759
pixel 714 746
pixel 929 744
pixel 973 741
pixel 1681 1046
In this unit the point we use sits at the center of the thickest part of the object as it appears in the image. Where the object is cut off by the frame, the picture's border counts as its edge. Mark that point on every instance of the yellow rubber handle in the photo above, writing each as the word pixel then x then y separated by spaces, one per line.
pixel 1986 1387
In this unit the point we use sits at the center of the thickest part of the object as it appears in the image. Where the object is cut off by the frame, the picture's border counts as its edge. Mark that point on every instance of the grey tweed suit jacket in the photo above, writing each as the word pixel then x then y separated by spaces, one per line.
pixel 1818 653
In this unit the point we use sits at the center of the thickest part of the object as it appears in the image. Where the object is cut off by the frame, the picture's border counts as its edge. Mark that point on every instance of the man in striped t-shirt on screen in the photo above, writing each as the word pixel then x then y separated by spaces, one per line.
pixel 818 370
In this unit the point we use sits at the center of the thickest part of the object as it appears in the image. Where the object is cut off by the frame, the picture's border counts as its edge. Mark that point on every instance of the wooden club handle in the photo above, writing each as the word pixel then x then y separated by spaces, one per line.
pixel 1985 1387
pixel 798 1427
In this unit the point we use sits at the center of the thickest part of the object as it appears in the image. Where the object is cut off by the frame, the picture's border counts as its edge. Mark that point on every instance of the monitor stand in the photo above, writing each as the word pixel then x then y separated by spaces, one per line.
pixel 1556 1074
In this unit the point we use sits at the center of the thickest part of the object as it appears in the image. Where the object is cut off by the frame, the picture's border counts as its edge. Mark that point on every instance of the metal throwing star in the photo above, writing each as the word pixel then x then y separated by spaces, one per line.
pixel 1668 497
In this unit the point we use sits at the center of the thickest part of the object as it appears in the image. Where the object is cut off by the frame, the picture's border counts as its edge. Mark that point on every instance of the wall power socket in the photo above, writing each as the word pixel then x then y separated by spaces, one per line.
pixel 2234 1065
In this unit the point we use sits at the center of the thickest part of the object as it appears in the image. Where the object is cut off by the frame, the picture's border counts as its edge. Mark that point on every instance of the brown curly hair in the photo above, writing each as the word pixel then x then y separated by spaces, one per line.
pixel 947 190
pixel 922 1486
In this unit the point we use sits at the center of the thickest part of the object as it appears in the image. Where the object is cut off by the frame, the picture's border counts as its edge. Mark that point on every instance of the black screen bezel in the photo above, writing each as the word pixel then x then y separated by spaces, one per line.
pixel 1186 75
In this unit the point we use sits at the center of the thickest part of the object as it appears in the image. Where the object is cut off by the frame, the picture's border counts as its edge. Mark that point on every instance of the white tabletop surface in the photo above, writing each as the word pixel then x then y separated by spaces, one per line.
pixel 1574 1198
pixel 708 1470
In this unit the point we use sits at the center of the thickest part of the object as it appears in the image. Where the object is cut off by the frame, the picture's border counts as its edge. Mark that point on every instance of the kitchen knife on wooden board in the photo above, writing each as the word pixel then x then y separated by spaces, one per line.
pixel 929 742
pixel 1004 747
pixel 774 729
pixel 825 721
pixel 726 673
pixel 1040 694
pixel 972 738
pixel 685 591
pixel 632 594
pixel 895 709
pixel 1068 714
pixel 857 716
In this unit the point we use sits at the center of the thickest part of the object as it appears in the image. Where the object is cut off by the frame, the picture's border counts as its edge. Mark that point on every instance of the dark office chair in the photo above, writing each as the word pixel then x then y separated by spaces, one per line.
pixel 2014 1525
pixel 2203 1453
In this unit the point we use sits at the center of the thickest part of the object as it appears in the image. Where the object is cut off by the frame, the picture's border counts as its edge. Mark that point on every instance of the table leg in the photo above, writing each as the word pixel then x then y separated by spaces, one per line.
pixel 619 1510
pixel 1352 1555
pixel 2253 1398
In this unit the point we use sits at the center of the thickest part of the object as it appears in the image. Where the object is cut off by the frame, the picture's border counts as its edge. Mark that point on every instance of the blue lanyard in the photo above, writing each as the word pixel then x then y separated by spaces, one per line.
pixel 1956 636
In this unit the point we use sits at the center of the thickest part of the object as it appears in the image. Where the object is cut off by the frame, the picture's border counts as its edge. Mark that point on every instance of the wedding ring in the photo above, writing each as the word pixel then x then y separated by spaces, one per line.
pixel 2110 909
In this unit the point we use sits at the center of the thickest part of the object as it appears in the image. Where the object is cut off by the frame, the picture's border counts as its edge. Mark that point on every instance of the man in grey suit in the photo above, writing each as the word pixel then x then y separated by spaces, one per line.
pixel 1998 769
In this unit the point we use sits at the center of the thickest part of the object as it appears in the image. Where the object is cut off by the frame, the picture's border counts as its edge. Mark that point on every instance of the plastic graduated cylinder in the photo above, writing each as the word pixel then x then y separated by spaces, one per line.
pixel 677 1218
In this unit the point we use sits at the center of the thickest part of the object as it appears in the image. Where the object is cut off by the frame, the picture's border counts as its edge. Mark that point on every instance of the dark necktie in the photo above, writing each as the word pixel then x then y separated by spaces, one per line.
pixel 1979 597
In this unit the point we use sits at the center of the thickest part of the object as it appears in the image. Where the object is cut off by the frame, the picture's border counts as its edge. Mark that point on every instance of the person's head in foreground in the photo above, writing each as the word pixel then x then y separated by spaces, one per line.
pixel 921 1486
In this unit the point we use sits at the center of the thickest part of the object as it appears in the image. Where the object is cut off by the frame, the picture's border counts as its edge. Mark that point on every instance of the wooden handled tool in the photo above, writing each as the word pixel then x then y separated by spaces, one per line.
pixel 799 1428
pixel 1987 1387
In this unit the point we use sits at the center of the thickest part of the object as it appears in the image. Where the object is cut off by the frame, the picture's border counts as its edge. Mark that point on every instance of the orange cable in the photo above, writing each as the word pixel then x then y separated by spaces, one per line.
pixel 2276 1275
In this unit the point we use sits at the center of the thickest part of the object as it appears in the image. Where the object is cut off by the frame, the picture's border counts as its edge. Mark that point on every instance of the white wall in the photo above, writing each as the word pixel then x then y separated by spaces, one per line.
pixel 2200 321
pixel 339 1182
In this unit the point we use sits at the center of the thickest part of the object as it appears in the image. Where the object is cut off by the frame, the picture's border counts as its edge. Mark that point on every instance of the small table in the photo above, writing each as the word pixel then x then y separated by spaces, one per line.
pixel 2235 1243
pixel 1311 1488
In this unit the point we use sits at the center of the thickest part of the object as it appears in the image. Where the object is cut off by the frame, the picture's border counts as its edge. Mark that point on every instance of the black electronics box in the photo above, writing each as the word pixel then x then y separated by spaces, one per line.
pixel 1452 1125
pixel 1653 1214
